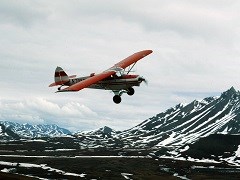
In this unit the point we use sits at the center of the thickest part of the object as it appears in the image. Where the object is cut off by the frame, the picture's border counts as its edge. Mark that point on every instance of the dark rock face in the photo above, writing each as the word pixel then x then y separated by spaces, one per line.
pixel 215 146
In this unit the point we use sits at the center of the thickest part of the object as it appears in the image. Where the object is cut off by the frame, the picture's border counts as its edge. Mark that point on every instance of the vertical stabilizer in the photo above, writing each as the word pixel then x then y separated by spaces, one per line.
pixel 60 76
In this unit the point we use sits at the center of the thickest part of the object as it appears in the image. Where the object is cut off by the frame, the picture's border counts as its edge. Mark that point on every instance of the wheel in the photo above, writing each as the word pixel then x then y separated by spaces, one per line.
pixel 117 99
pixel 130 91
pixel 59 88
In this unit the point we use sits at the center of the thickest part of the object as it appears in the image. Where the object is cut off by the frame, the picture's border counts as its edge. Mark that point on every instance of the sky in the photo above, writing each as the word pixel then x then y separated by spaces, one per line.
pixel 196 50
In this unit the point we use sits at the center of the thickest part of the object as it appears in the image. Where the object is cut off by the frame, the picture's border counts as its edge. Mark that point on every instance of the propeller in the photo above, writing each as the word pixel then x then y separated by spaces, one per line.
pixel 142 79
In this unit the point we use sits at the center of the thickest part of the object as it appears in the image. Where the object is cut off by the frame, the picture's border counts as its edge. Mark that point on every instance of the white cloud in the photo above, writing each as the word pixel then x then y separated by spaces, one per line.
pixel 195 44
pixel 38 110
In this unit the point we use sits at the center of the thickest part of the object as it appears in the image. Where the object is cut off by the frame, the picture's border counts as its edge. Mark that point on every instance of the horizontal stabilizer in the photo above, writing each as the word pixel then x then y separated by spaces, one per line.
pixel 57 83
pixel 72 76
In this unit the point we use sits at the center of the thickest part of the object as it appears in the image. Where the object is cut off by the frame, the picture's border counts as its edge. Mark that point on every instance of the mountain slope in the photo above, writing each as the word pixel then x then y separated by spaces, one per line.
pixel 214 146
pixel 7 134
pixel 176 127
pixel 187 123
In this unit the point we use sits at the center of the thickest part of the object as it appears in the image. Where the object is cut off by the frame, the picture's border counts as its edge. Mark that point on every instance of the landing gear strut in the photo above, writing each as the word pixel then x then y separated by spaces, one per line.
pixel 117 99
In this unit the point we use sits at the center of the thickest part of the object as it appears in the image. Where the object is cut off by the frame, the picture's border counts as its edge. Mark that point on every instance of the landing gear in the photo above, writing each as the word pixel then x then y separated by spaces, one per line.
pixel 117 99
pixel 59 88
pixel 130 91
pixel 118 93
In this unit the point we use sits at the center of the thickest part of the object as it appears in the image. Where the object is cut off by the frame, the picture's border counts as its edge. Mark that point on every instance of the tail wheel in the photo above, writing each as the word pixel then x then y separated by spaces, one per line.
pixel 59 88
pixel 117 99
pixel 130 91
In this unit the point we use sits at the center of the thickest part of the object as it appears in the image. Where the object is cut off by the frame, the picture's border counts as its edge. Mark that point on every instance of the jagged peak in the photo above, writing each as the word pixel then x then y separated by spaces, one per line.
pixel 230 92
pixel 208 99
pixel 180 105
pixel 106 129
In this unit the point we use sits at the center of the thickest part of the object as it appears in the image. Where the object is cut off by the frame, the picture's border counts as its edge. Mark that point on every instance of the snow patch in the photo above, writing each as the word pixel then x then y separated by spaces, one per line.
pixel 125 175
pixel 181 177
pixel 237 153
pixel 42 166
pixel 168 140
pixel 8 170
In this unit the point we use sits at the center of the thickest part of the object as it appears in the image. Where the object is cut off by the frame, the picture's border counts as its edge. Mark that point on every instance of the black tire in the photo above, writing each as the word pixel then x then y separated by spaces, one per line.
pixel 117 99
pixel 130 91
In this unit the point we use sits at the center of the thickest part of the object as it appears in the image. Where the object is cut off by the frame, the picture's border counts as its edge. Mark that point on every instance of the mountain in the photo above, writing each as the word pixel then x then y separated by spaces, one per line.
pixel 7 134
pixel 34 131
pixel 187 123
pixel 177 126
pixel 176 132
pixel 104 137
pixel 203 129
pixel 104 132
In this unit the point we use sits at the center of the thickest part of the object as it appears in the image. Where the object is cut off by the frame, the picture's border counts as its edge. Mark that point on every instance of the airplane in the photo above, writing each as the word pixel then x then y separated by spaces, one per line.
pixel 116 78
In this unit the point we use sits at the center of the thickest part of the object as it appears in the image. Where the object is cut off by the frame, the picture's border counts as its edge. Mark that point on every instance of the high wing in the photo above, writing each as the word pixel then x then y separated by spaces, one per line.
pixel 111 71
pixel 132 59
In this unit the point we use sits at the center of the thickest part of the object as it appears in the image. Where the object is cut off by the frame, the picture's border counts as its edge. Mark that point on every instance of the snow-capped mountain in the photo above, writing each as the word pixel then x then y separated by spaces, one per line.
pixel 104 132
pixel 177 126
pixel 7 134
pixel 104 137
pixel 185 131
pixel 33 131
pixel 187 123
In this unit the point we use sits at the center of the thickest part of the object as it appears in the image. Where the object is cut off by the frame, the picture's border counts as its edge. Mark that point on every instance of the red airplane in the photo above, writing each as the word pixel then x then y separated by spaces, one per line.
pixel 115 78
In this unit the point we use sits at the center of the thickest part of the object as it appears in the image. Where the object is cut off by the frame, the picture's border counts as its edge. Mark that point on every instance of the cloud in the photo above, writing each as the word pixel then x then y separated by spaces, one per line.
pixel 195 51
pixel 24 13
pixel 38 110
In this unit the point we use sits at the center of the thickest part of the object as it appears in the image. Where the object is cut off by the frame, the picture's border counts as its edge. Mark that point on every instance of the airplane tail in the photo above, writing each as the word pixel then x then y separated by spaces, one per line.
pixel 60 77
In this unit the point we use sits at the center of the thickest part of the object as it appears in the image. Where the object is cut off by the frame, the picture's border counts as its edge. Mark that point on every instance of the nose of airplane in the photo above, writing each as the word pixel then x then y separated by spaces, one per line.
pixel 142 79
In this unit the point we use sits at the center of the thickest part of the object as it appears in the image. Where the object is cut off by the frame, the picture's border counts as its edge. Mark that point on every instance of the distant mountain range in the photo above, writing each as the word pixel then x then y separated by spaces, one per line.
pixel 32 131
pixel 173 133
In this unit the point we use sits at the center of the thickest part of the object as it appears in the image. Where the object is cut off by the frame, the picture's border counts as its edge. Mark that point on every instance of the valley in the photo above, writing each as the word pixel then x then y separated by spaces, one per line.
pixel 61 158
pixel 110 167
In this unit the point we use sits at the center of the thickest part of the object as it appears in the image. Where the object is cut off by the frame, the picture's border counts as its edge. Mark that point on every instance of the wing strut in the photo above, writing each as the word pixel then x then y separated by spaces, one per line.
pixel 131 68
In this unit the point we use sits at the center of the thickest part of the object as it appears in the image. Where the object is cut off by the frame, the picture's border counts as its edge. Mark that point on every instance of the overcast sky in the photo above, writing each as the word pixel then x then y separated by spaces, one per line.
pixel 196 54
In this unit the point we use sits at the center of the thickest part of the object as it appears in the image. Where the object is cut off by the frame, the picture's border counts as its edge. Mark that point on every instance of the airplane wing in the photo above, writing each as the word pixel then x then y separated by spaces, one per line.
pixel 111 71
pixel 87 82
pixel 132 59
